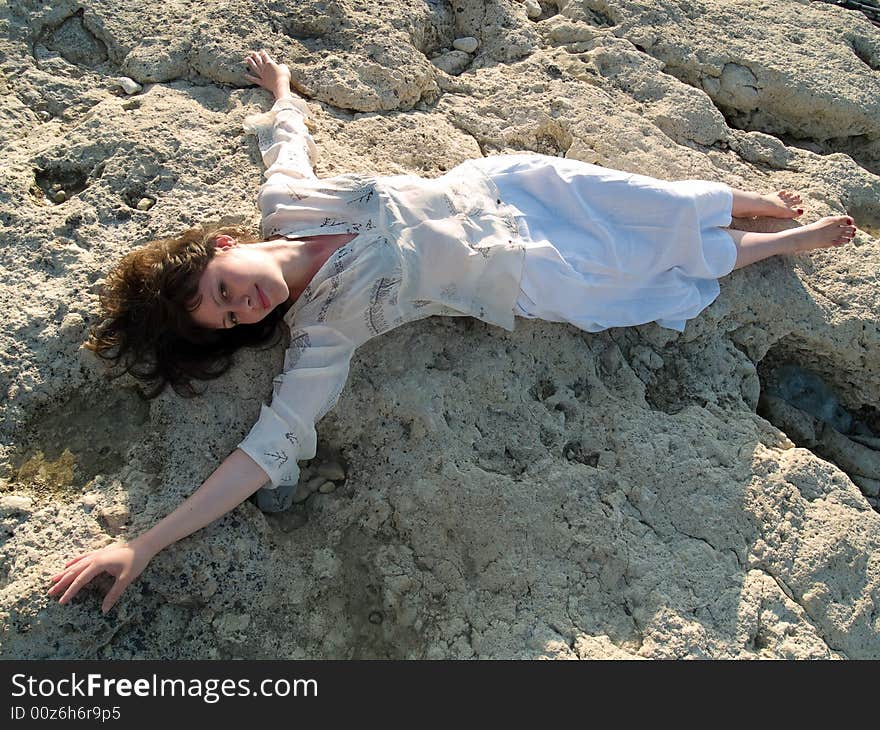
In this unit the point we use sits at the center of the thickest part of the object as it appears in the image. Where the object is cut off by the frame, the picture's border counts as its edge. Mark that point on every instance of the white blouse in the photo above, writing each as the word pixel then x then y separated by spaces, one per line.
pixel 447 246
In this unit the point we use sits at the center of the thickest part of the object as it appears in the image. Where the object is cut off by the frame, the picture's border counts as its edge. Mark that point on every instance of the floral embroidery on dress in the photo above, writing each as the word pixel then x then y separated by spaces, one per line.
pixel 299 342
pixel 277 382
pixel 364 195
pixel 339 265
pixel 292 438
pixel 450 205
pixel 327 222
pixel 295 193
pixel 384 288
pixel 279 457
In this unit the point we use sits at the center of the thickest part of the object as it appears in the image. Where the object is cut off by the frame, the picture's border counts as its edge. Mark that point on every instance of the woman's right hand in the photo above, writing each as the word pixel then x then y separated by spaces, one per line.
pixel 265 72
pixel 125 561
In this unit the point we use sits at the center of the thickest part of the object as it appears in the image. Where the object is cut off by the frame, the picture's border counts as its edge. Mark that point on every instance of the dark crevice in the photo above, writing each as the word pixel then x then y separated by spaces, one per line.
pixel 75 42
pixel 805 403
pixel 866 54
pixel 57 181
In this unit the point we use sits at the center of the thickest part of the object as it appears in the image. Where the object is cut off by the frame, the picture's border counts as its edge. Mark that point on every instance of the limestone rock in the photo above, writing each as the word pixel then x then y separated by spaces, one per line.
pixel 627 491
pixel 453 62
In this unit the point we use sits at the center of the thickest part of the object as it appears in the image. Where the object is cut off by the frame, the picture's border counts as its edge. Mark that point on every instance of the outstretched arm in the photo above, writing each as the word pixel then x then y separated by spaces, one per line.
pixel 237 477
pixel 288 150
pixel 272 76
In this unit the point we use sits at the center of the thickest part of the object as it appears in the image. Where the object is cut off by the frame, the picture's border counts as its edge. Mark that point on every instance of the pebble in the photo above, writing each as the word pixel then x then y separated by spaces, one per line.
pixel 332 470
pixel 468 44
pixel 145 203
pixel 88 501
pixel 44 116
pixel 376 617
pixel 56 186
pixel 311 486
pixel 301 495
pixel 533 9
pixel 59 197
pixel 453 62
pixel 15 503
pixel 327 488
pixel 113 517
pixel 129 86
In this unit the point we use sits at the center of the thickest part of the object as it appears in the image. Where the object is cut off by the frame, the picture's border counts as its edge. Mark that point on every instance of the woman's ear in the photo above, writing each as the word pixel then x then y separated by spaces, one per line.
pixel 224 241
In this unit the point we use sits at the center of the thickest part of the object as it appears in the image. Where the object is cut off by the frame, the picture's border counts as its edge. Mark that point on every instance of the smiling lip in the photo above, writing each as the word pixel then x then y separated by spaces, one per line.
pixel 263 300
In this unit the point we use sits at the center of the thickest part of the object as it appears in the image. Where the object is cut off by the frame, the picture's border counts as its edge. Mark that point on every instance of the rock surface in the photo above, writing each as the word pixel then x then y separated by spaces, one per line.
pixel 542 493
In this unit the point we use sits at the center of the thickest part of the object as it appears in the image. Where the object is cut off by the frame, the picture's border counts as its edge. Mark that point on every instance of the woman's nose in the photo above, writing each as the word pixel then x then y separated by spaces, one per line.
pixel 247 306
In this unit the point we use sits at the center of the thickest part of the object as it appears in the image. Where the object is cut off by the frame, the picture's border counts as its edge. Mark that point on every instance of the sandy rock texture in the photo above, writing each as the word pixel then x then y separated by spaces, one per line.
pixel 542 493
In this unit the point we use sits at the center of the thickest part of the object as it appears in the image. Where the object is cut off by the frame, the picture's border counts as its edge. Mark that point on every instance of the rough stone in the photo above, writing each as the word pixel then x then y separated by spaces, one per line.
pixel 129 86
pixel 468 44
pixel 332 470
pixel 608 495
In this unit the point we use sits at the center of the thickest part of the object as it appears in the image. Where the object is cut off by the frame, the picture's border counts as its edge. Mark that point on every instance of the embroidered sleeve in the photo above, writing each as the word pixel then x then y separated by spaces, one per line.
pixel 287 148
pixel 316 367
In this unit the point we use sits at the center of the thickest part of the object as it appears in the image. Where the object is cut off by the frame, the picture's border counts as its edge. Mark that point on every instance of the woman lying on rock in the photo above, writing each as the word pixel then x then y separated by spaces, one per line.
pixel 344 259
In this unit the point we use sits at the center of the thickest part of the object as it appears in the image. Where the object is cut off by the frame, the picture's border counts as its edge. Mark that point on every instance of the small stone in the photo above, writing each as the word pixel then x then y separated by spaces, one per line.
pixel 113 517
pixel 376 617
pixel 129 86
pixel 468 44
pixel 327 488
pixel 88 501
pixel 15 503
pixel 44 116
pixel 533 9
pixel 55 186
pixel 301 495
pixel 311 486
pixel 145 203
pixel 332 470
pixel 453 62
pixel 59 197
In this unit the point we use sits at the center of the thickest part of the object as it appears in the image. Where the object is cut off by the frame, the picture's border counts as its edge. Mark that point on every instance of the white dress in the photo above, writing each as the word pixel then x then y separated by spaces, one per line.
pixel 522 234
pixel 613 249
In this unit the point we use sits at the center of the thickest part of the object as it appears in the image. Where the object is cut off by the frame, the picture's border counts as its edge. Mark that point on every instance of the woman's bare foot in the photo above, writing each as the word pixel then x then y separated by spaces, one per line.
pixel 784 204
pixel 834 230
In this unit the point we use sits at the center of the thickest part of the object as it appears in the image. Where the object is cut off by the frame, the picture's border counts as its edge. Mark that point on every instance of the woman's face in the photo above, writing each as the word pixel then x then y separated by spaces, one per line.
pixel 240 285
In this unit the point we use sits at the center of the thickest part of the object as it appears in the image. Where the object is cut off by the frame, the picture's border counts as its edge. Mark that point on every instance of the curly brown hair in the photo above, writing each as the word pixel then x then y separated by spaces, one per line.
pixel 146 325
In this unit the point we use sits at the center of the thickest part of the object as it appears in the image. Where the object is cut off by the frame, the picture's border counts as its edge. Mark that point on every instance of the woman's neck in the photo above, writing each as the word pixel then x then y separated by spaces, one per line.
pixel 301 259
